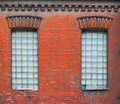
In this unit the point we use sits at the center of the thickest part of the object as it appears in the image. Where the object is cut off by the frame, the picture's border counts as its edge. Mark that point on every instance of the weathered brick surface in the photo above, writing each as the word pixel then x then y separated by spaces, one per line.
pixel 59 61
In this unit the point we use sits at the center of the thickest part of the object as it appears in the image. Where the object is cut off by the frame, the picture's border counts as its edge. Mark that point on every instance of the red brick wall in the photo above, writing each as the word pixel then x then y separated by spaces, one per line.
pixel 59 61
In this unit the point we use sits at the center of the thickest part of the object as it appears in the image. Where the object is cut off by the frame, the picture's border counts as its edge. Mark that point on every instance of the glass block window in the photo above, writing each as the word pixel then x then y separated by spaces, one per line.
pixel 24 60
pixel 94 60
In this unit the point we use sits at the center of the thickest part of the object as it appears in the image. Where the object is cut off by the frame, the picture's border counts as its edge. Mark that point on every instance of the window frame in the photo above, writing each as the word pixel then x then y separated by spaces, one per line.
pixel 25 30
pixel 107 80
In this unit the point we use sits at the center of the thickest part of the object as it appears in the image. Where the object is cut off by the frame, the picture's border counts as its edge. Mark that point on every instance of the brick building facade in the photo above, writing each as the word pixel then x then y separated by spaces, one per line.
pixel 59 52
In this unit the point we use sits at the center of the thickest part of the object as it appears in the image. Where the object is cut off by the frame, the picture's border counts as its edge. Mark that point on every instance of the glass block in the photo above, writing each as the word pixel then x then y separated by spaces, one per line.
pixel 24 57
pixel 19 81
pixel 30 52
pixel 25 81
pixel 88 47
pixel 88 76
pixel 18 57
pixel 88 41
pixel 88 70
pixel 100 53
pixel 24 74
pixel 34 34
pixel 83 81
pixel 100 70
pixel 30 75
pixel 25 63
pixel 83 58
pixel 83 87
pixel 24 46
pixel 88 53
pixel 30 67
pixel 83 70
pixel 94 41
pixel 100 58
pixel 18 41
pixel 24 40
pixel 105 76
pixel 94 52
pixel 19 86
pixel 100 76
pixel 94 82
pixel 35 75
pixel 18 46
pixel 83 76
pixel 100 35
pixel 13 63
pixel 94 76
pixel 100 47
pixel 35 63
pixel 83 47
pixel 35 57
pixel 35 70
pixel 35 81
pixel 105 64
pixel 13 34
pixel 88 82
pixel 94 47
pixel 25 69
pixel 94 35
pixel 14 81
pixel 13 51
pixel 13 40
pixel 18 69
pixel 18 74
pixel 25 86
pixel 88 59
pixel 18 35
pixel 18 51
pixel 24 34
pixel 100 82
pixel 104 82
pixel 104 47
pixel 24 52
pixel 100 64
pixel 83 64
pixel 94 70
pixel 83 41
pixel 30 80
pixel 30 57
pixel 94 64
pixel 88 35
pixel 104 70
pixel 31 70
pixel 35 47
pixel 83 53
pixel 13 57
pixel 105 42
pixel 30 63
pixel 35 86
pixel 18 63
pixel 13 69
pixel 88 87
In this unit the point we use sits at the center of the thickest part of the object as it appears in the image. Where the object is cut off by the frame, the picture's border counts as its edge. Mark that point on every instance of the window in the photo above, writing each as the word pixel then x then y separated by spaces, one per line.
pixel 94 60
pixel 24 60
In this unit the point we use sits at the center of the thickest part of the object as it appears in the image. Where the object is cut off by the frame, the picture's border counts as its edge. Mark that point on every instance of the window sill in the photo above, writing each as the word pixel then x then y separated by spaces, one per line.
pixel 106 89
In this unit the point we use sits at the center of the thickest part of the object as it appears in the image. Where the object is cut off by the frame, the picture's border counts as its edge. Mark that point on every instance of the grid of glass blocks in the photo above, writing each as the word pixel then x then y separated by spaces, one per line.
pixel 94 60
pixel 24 60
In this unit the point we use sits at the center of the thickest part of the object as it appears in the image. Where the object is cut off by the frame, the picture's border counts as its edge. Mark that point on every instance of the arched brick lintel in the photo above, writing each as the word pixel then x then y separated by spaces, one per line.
pixel 24 22
pixel 95 22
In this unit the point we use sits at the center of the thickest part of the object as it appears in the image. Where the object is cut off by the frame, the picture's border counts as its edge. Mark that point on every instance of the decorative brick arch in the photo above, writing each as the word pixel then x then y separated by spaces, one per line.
pixel 95 22
pixel 24 22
